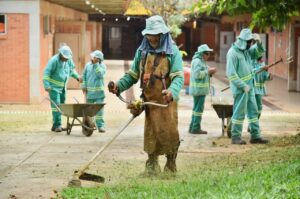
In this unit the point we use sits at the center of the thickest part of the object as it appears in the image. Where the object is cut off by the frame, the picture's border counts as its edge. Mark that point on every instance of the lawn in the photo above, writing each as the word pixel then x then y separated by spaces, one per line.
pixel 264 171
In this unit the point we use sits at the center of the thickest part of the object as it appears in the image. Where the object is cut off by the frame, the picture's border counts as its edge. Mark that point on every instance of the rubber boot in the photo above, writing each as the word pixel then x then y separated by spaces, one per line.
pixel 170 166
pixel 152 167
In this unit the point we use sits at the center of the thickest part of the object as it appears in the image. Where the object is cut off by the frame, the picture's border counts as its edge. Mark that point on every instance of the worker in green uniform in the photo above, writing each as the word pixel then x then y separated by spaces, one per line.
pixel 93 84
pixel 260 79
pixel 240 74
pixel 56 75
pixel 158 64
pixel 199 86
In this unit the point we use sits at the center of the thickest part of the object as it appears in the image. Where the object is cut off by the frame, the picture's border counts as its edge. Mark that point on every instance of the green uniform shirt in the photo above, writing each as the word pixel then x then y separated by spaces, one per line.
pixel 239 67
pixel 175 73
pixel 260 79
pixel 93 80
pixel 57 73
pixel 199 79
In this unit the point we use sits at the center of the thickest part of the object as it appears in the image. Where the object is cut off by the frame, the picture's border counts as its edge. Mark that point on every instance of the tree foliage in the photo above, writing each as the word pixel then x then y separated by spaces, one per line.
pixel 172 12
pixel 265 13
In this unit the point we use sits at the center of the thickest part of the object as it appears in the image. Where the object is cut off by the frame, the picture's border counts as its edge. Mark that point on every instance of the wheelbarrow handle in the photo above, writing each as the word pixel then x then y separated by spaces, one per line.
pixel 56 106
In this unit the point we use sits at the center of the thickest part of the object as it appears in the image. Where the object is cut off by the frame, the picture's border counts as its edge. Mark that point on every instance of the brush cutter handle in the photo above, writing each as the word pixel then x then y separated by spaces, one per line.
pixel 100 151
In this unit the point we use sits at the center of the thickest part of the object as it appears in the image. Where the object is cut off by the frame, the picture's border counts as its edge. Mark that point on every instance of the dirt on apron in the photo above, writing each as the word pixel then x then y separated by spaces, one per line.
pixel 161 124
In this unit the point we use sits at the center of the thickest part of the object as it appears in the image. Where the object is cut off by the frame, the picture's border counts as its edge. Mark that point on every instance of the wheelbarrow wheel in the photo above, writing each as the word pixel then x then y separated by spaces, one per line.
pixel 87 121
pixel 228 129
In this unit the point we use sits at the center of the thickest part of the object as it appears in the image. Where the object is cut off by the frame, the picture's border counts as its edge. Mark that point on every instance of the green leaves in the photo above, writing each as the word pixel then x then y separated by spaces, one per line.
pixel 265 13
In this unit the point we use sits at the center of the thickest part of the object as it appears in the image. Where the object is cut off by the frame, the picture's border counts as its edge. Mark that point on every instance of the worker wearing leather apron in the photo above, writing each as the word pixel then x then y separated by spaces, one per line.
pixel 158 64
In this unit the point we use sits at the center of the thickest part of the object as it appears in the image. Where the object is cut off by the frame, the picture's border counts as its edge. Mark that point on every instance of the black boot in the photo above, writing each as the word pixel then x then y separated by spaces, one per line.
pixel 152 167
pixel 237 140
pixel 171 163
pixel 259 141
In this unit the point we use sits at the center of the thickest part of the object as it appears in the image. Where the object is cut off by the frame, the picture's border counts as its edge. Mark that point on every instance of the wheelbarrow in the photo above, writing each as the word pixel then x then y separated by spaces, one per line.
pixel 74 111
pixel 86 111
pixel 224 111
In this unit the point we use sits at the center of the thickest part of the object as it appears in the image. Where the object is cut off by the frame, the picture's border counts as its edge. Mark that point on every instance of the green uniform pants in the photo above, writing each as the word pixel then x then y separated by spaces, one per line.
pixel 58 98
pixel 258 99
pixel 245 103
pixel 99 116
pixel 198 108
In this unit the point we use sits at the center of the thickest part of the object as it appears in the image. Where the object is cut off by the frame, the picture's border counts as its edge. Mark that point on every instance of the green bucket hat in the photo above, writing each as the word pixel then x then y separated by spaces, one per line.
pixel 97 54
pixel 155 25
pixel 204 48
pixel 246 34
pixel 65 51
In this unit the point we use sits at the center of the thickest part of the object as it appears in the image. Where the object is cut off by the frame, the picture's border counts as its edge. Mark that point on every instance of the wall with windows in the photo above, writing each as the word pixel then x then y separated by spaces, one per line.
pixel 26 44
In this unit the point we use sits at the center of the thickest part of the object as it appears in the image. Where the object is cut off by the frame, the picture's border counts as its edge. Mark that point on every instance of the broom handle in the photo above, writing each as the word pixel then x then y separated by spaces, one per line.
pixel 86 166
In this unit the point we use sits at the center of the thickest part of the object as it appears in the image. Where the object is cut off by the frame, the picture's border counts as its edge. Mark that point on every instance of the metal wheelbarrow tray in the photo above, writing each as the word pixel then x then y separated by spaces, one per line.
pixel 86 111
pixel 224 111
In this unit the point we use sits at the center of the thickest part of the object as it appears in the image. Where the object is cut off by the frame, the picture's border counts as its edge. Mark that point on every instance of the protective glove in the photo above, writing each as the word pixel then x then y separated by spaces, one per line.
pixel 80 80
pixel 256 37
pixel 167 95
pixel 113 87
pixel 246 89
pixel 136 107
pixel 212 70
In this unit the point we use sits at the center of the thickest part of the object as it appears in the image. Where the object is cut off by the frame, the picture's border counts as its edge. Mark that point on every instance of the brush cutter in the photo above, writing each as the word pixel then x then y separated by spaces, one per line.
pixel 136 107
pixel 288 60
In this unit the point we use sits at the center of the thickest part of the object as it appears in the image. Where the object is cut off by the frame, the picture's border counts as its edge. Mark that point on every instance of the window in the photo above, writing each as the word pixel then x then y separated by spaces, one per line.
pixel 3 24
pixel 47 24
pixel 115 33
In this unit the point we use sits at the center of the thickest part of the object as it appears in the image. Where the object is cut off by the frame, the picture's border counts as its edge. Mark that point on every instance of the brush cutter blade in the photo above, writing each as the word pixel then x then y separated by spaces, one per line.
pixel 91 177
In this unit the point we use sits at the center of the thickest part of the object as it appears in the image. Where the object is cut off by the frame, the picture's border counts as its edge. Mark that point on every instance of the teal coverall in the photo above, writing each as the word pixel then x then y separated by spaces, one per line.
pixel 240 74
pixel 259 86
pixel 55 78
pixel 199 88
pixel 93 81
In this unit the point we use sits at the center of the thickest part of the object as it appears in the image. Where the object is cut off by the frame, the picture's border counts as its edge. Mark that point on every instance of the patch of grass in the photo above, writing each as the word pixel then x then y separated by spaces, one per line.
pixel 266 171
pixel 25 122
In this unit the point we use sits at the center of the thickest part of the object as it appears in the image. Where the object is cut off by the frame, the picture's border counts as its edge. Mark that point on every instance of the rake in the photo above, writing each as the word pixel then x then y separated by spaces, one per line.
pixel 287 61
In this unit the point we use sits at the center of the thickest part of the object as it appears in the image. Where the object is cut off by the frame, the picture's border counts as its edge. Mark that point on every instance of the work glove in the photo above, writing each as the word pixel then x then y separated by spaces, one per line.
pixel 136 107
pixel 246 89
pixel 256 37
pixel 212 70
pixel 79 79
pixel 113 87
pixel 167 95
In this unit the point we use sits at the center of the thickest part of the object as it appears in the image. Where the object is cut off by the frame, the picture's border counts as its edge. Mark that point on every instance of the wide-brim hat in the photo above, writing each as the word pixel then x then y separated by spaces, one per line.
pixel 204 48
pixel 66 52
pixel 97 54
pixel 246 34
pixel 155 25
